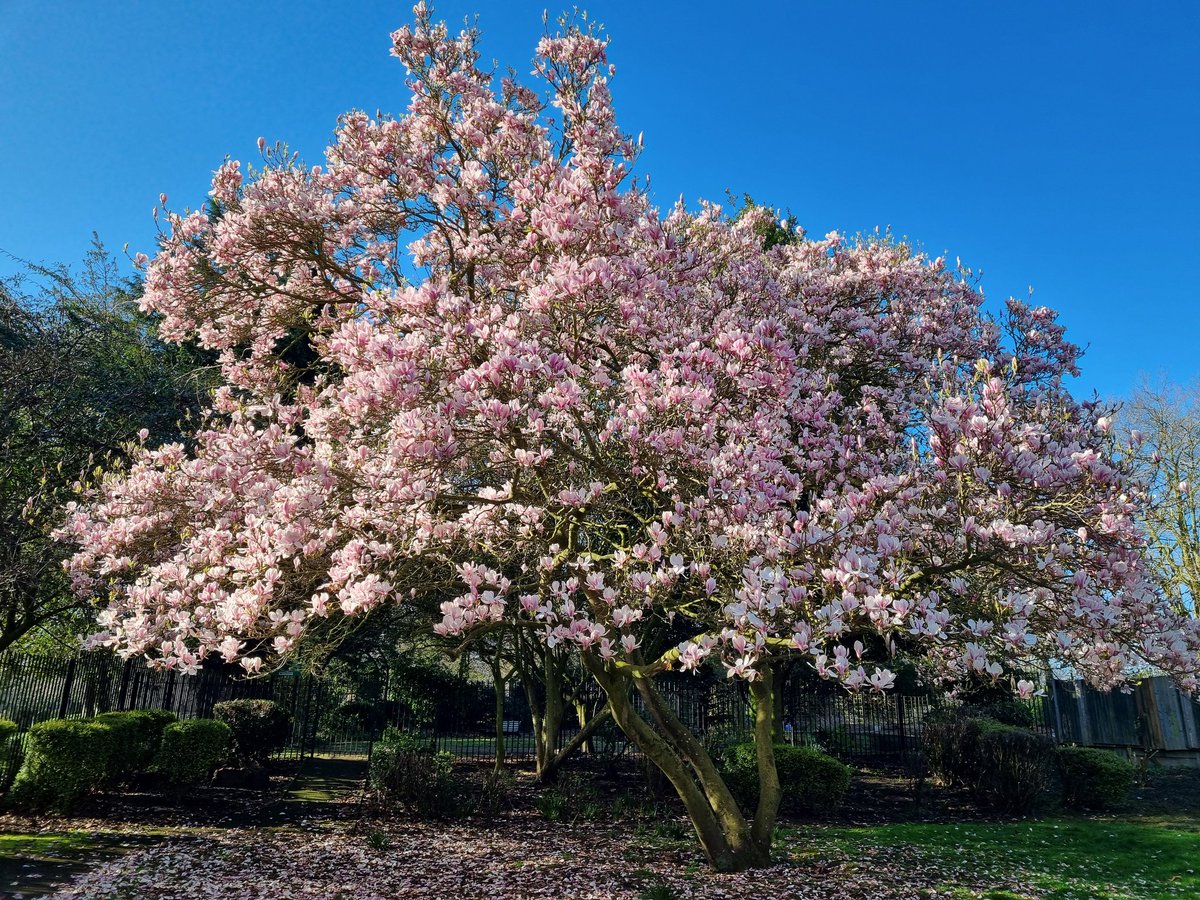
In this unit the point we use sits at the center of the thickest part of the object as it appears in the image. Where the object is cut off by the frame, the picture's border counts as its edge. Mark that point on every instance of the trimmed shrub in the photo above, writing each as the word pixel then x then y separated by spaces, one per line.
pixel 1093 778
pixel 11 752
pixel 809 779
pixel 136 736
pixel 951 747
pixel 191 750
pixel 1004 767
pixel 405 770
pixel 259 727
pixel 64 760
pixel 1019 713
pixel 1016 766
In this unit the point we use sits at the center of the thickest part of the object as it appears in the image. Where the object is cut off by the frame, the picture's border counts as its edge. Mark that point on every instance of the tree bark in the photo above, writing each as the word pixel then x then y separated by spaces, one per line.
pixel 769 791
pixel 498 683
pixel 729 841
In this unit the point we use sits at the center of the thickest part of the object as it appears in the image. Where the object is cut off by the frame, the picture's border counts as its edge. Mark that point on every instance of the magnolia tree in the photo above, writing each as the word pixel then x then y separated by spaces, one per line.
pixel 467 348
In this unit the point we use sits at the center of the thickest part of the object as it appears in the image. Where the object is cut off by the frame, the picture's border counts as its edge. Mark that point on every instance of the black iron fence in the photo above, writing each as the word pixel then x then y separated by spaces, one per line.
pixel 331 718
pixel 33 688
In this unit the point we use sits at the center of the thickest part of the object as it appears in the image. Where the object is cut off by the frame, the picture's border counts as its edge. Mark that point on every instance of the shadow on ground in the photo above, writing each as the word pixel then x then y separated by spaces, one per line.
pixel 40 855
pixel 35 865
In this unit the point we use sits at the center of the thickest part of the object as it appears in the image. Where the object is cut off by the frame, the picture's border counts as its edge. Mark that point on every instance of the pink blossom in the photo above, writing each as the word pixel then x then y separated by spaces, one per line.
pixel 603 421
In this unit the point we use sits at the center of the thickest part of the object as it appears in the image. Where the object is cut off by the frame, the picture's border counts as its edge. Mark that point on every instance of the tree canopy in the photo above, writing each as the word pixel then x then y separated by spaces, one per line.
pixel 81 374
pixel 468 348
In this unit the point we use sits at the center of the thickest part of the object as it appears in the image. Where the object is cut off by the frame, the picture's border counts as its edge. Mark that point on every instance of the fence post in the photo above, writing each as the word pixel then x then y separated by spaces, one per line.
pixel 124 683
pixel 169 690
pixel 67 685
pixel 309 725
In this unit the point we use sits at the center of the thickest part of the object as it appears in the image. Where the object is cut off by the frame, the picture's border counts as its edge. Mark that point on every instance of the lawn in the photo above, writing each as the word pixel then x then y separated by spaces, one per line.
pixel 1063 859
pixel 330 846
pixel 31 865
pixel 526 857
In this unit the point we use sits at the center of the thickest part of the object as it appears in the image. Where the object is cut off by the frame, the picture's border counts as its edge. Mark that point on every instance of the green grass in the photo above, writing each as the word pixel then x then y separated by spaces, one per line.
pixel 36 864
pixel 66 845
pixel 1063 859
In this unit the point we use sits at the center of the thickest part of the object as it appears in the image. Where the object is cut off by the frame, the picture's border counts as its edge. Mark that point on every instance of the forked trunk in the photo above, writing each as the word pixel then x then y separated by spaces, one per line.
pixel 547 709
pixel 730 842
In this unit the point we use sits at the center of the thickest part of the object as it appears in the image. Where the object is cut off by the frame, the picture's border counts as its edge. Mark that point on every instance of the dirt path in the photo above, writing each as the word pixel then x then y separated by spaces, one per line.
pixel 329 780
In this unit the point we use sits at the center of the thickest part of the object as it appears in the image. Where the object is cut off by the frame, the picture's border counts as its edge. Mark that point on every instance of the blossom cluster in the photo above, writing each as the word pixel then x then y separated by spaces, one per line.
pixel 468 348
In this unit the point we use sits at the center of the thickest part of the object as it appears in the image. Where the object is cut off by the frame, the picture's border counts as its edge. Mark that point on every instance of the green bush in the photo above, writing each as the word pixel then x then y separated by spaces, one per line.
pixel 1004 767
pixel 136 736
pixel 11 752
pixel 408 741
pixel 64 760
pixel 259 727
pixel 406 771
pixel 808 779
pixel 191 750
pixel 1094 779
pixel 950 748
pixel 1011 711
pixel 1016 766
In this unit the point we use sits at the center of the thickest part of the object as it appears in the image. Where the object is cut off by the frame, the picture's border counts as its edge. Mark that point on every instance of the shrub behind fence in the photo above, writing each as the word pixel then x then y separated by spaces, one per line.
pixel 328 719
pixel 866 728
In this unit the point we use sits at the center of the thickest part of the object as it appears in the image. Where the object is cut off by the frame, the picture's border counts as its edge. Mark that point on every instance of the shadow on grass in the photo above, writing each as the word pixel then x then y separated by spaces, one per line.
pixel 35 865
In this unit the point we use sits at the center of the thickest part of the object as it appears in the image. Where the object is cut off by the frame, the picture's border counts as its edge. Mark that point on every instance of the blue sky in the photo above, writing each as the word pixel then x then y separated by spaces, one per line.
pixel 1046 144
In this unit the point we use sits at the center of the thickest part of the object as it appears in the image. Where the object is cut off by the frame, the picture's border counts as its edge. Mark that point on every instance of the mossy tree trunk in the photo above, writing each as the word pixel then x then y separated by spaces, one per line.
pixel 499 684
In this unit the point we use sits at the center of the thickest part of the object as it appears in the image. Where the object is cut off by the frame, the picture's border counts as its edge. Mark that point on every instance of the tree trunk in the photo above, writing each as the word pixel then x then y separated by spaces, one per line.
pixel 547 728
pixel 729 841
pixel 498 684
pixel 546 710
pixel 769 791
pixel 581 713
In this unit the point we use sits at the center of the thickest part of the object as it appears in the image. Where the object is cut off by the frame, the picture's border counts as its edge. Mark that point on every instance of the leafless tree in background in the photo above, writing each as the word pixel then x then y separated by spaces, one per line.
pixel 1163 421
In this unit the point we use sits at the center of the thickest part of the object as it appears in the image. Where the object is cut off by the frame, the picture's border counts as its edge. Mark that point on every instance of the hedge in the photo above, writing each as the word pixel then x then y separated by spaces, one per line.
pixel 10 752
pixel 259 727
pixel 136 736
pixel 809 779
pixel 1094 779
pixel 191 750
pixel 64 760
pixel 1004 767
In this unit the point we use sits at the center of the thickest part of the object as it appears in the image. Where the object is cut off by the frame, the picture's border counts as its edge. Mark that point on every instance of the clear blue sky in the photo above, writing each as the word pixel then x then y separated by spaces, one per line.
pixel 1047 144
